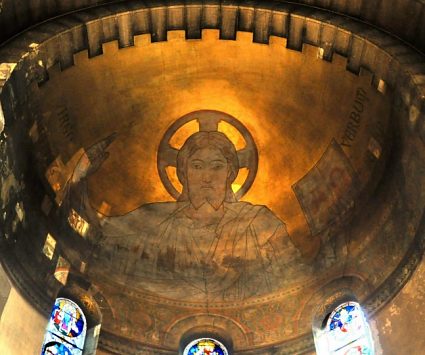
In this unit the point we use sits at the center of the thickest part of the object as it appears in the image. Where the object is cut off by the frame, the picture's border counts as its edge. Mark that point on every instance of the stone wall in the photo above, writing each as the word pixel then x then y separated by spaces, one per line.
pixel 400 323
pixel 21 327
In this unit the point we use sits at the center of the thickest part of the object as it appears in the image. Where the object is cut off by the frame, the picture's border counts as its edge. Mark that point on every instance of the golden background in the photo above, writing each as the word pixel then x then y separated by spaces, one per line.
pixel 293 104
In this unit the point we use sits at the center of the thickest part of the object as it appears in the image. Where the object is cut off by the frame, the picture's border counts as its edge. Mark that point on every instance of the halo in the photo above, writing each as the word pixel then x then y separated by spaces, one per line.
pixel 208 121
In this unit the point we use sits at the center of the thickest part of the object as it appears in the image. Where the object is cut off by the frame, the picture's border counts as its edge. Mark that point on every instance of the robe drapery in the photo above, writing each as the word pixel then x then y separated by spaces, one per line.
pixel 160 247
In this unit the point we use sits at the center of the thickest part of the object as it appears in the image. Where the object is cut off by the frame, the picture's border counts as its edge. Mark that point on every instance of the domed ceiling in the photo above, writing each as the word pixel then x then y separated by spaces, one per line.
pixel 310 133
pixel 208 183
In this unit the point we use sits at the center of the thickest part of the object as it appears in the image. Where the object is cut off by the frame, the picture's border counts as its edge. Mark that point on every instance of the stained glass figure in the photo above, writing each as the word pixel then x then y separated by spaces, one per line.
pixel 346 332
pixel 66 330
pixel 205 346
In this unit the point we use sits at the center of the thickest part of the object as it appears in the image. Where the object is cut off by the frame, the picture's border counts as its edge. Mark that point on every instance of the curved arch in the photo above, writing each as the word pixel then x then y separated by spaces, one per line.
pixel 328 297
pixel 208 323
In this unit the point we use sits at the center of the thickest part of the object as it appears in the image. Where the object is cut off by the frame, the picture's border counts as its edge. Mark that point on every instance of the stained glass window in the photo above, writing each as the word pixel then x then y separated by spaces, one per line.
pixel 346 332
pixel 205 346
pixel 66 330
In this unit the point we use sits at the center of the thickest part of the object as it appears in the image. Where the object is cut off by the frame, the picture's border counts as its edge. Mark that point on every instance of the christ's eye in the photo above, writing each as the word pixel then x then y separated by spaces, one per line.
pixel 217 166
pixel 196 165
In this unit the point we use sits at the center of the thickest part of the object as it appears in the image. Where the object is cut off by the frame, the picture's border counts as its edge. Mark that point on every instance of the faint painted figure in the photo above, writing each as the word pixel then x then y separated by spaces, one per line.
pixel 218 246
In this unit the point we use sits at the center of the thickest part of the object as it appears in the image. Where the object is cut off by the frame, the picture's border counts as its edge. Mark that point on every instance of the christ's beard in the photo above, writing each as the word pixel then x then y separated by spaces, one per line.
pixel 210 196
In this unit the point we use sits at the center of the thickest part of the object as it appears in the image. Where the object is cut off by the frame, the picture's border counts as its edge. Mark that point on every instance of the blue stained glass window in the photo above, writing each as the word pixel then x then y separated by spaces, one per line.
pixel 205 346
pixel 54 347
pixel 346 332
pixel 66 330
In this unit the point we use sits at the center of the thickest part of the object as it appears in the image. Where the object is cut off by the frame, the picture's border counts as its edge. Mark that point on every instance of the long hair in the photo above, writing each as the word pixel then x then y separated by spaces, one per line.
pixel 201 140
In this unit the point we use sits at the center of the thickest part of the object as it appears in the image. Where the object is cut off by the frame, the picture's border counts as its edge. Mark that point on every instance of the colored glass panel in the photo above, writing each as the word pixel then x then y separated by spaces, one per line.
pixel 346 332
pixel 56 348
pixel 358 347
pixel 346 324
pixel 205 346
pixel 66 330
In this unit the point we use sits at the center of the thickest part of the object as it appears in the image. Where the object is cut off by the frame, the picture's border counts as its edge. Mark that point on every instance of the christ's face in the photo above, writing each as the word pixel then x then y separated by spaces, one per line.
pixel 207 174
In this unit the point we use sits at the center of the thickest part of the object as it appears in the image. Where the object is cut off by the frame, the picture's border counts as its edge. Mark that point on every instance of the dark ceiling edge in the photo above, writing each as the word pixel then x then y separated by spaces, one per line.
pixel 401 275
pixel 298 24
pixel 16 19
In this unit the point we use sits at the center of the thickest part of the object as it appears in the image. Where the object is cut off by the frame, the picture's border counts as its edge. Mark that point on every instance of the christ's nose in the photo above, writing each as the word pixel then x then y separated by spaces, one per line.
pixel 206 177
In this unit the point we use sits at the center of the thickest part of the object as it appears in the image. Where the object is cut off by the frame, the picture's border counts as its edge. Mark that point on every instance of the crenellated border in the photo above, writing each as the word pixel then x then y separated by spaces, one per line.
pixel 402 17
pixel 391 62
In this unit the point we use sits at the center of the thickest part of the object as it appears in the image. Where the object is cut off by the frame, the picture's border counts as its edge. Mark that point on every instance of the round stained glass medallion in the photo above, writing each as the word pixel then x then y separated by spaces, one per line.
pixel 205 346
